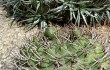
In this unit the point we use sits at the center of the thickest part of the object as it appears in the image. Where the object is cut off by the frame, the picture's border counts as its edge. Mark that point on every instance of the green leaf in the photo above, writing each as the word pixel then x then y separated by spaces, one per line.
pixel 78 18
pixel 88 13
pixel 58 9
pixel 43 24
pixel 32 25
pixel 72 13
pixel 83 16
pixel 96 17
pixel 108 14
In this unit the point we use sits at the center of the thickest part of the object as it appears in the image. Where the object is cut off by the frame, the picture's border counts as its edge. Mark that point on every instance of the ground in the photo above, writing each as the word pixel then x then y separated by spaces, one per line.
pixel 11 38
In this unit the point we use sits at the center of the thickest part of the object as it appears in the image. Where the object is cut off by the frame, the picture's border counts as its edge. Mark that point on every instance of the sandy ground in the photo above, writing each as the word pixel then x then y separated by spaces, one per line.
pixel 10 40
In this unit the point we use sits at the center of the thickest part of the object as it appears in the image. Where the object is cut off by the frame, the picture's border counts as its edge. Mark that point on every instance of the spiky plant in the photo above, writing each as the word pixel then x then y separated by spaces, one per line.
pixel 62 54
pixel 30 12
pixel 89 11
pixel 33 12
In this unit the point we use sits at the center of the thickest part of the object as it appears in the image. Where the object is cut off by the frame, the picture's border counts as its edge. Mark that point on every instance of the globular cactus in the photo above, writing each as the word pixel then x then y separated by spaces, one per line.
pixel 63 55
pixel 50 32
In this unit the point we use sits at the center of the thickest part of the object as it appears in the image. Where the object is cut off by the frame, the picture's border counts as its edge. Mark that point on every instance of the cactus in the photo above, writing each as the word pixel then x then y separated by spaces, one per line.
pixel 62 55
pixel 50 32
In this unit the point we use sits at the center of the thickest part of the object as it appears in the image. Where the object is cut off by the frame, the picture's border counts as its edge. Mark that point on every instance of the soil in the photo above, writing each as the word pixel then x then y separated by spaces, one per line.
pixel 11 38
